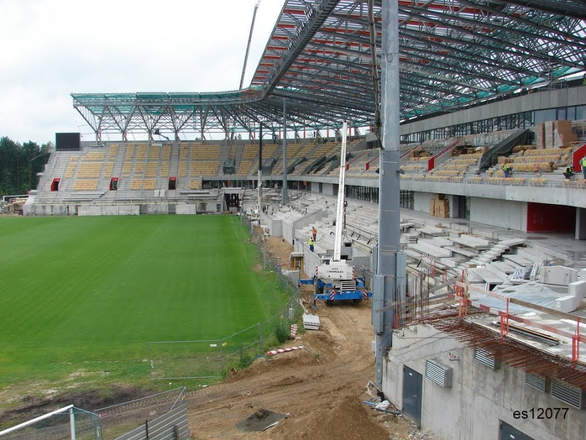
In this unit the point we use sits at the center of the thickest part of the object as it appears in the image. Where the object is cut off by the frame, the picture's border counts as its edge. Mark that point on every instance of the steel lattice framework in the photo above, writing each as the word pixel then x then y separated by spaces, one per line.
pixel 453 53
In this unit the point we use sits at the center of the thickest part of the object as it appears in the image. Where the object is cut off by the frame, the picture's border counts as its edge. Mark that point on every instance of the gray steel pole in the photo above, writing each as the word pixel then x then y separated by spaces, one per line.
pixel 248 45
pixel 259 185
pixel 284 194
pixel 389 281
pixel 72 423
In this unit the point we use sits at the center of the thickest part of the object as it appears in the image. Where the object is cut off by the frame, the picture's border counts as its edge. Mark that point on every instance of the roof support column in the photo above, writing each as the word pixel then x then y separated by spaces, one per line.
pixel 389 279
pixel 259 185
pixel 284 194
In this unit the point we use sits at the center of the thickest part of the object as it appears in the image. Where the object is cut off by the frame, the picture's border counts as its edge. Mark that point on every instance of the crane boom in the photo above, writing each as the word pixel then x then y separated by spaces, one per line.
pixel 340 204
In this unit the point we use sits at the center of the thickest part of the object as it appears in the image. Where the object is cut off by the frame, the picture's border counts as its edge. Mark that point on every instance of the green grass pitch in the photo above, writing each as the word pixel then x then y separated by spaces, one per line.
pixel 87 293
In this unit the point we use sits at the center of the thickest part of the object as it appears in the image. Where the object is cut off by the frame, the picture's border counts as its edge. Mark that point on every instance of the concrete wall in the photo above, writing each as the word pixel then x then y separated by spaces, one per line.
pixel 185 209
pixel 534 101
pixel 421 201
pixel 275 225
pixel 540 194
pixel 503 213
pixel 479 397
pixel 288 231
pixel 93 210
pixel 155 208
pixel 310 259
pixel 328 189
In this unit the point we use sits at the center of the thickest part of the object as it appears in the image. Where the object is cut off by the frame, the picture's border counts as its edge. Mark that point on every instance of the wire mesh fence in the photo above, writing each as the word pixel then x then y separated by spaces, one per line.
pixel 65 423
pixel 207 360
pixel 161 415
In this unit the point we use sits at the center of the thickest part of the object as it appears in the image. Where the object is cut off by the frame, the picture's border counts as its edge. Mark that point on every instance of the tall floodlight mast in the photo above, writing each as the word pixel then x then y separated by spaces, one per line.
pixel 248 44
pixel 259 185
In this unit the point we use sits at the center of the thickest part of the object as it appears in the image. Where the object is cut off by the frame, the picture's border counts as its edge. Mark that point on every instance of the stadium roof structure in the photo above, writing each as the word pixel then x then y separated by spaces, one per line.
pixel 319 59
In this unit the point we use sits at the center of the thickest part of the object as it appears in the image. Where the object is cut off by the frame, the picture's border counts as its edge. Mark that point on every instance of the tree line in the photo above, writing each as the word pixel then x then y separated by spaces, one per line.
pixel 19 165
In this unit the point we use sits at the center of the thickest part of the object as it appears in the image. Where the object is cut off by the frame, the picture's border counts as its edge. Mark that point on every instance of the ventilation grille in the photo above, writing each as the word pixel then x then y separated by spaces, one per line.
pixel 438 374
pixel 537 382
pixel 348 285
pixel 567 393
pixel 485 357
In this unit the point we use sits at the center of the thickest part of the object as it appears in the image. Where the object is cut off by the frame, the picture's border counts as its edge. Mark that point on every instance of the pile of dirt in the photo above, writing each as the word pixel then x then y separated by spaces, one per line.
pixel 292 359
pixel 346 420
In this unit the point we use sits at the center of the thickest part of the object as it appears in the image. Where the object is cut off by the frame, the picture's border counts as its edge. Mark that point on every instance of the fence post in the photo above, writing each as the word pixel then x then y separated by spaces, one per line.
pixel 260 335
pixel 72 422
pixel 150 360
pixel 146 428
pixel 222 355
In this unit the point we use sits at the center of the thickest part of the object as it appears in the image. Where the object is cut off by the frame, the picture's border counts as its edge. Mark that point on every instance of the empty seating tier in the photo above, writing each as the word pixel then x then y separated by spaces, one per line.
pixel 205 152
pixel 93 156
pixel 126 169
pixel 85 185
pixel 89 169
pixel 113 151
pixel 139 184
pixel 108 167
pixel 152 169
pixel 71 166
pixel 164 171
pixel 204 168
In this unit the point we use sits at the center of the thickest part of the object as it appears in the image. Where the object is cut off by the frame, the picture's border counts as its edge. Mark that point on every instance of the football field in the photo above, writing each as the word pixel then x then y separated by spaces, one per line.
pixel 82 295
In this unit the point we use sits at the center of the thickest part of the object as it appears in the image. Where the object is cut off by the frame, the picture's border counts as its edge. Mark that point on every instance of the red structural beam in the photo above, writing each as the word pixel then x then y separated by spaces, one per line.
pixel 294 11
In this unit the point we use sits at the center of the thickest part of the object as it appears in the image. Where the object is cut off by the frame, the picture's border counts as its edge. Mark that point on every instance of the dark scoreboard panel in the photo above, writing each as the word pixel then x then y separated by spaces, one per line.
pixel 67 141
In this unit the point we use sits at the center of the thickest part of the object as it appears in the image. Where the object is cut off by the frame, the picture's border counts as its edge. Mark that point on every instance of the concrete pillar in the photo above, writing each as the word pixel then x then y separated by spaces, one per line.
pixel 284 193
pixel 389 279
pixel 580 233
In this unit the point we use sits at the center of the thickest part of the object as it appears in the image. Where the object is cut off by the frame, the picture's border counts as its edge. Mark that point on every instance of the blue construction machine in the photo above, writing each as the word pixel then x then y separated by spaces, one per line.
pixel 335 279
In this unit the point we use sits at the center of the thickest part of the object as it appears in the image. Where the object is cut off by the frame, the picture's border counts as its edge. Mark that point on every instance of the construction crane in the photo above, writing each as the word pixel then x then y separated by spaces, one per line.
pixel 334 278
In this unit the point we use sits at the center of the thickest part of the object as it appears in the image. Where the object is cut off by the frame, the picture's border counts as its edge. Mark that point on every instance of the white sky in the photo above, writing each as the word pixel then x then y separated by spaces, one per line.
pixel 51 48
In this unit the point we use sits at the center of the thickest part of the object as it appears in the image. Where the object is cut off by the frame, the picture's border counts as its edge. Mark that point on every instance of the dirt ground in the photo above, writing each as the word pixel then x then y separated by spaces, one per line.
pixel 321 388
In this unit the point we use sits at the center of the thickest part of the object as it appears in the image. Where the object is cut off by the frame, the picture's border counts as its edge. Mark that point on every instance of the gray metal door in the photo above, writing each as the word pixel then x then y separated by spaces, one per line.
pixel 507 432
pixel 412 391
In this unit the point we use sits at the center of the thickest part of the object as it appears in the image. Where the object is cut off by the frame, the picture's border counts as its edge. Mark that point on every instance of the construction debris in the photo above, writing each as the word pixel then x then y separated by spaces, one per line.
pixel 311 322
pixel 261 420
pixel 283 350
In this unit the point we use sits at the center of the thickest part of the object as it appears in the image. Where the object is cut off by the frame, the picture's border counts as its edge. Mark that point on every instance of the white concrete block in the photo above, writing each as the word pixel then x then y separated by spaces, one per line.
pixel 578 289
pixel 567 303
pixel 559 275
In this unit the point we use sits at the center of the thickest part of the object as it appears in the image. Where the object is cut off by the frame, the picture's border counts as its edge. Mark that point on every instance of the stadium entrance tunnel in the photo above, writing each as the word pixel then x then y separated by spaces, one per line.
pixel 232 199
pixel 114 184
pixel 55 184
pixel 172 183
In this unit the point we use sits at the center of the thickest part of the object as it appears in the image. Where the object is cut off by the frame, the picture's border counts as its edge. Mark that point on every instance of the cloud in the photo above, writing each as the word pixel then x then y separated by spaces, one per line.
pixel 52 48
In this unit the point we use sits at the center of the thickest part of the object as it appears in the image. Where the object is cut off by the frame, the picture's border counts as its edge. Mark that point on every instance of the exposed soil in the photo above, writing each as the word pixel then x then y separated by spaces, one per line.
pixel 32 406
pixel 280 249
pixel 320 388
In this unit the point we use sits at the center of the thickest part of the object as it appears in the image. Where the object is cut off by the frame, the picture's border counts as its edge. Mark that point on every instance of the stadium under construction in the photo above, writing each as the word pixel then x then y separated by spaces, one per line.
pixel 466 202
